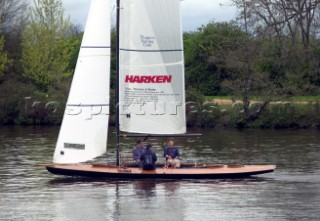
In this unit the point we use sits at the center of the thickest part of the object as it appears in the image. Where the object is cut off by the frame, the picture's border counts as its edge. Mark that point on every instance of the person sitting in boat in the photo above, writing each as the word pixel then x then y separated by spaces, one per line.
pixel 172 154
pixel 137 152
pixel 148 159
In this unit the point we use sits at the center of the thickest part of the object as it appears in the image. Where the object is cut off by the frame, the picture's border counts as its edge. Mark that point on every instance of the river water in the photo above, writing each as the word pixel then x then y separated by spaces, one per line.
pixel 291 193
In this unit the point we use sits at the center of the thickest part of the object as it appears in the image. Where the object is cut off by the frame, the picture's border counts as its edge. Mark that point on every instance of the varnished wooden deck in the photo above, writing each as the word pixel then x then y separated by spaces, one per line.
pixel 188 172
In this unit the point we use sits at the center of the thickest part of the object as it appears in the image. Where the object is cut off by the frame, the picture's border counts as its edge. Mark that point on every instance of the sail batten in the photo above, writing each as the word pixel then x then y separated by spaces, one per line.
pixel 152 93
pixel 153 65
pixel 84 129
pixel 154 51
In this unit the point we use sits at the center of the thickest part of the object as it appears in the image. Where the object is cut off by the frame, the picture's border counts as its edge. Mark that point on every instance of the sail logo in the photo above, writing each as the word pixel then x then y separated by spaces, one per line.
pixel 158 79
pixel 147 41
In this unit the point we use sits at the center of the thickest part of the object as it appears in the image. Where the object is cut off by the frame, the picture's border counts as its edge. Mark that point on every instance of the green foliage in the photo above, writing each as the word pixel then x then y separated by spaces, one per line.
pixel 46 44
pixel 199 112
pixel 74 44
pixel 278 117
pixel 288 115
pixel 205 58
pixel 5 62
pixel 193 95
pixel 27 106
pixel 113 59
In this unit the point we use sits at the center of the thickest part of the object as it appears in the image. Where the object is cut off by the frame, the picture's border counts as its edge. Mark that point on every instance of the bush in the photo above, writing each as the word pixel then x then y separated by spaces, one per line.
pixel 200 113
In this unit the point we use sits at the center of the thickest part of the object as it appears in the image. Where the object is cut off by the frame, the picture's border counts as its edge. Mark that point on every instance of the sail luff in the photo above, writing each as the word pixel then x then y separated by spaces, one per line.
pixel 84 128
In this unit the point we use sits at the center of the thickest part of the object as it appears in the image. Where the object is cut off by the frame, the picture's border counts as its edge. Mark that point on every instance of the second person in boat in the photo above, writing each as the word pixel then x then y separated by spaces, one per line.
pixel 148 159
pixel 137 151
pixel 172 155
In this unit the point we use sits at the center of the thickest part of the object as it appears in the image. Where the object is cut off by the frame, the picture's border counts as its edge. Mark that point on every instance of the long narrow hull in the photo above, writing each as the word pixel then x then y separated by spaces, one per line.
pixel 208 172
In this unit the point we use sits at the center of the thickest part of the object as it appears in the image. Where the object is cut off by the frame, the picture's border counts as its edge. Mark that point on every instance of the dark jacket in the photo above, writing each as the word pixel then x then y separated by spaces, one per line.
pixel 148 159
pixel 172 152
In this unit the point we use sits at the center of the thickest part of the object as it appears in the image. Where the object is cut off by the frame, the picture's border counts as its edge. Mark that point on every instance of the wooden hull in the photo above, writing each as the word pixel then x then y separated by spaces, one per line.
pixel 187 172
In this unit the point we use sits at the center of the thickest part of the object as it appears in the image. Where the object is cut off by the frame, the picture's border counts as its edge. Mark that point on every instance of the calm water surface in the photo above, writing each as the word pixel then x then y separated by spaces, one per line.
pixel 291 193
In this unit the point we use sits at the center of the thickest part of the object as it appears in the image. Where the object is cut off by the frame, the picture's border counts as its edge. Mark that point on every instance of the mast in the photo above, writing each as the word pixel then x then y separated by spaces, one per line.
pixel 117 84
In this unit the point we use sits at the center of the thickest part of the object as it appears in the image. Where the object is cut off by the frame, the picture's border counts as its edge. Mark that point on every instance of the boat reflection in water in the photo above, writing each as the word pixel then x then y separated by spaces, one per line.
pixel 151 200
pixel 144 189
pixel 149 196
pixel 115 200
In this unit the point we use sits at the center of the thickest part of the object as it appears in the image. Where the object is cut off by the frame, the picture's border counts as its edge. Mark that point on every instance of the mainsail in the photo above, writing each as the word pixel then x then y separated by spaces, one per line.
pixel 83 133
pixel 152 94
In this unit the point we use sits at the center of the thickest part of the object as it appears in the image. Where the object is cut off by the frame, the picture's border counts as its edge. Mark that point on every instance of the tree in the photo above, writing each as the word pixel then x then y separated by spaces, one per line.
pixel 11 17
pixel 11 14
pixel 292 29
pixel 204 70
pixel 194 65
pixel 298 19
pixel 245 78
pixel 4 60
pixel 237 59
pixel 47 44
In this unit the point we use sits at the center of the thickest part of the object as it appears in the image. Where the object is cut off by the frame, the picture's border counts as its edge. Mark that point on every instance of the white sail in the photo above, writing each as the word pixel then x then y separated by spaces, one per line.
pixel 83 133
pixel 152 94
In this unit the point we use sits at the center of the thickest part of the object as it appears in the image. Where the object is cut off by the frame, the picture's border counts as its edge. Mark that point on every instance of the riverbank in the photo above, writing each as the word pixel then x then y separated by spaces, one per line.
pixel 218 113
pixel 221 113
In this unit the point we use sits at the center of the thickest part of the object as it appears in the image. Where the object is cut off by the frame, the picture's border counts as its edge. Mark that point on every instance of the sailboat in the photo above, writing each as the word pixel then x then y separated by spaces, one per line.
pixel 150 93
